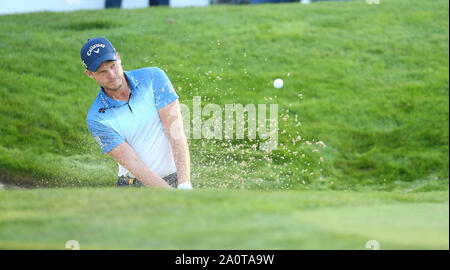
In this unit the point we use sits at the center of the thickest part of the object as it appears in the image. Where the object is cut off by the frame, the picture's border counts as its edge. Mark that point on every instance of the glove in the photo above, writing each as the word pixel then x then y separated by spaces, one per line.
pixel 185 186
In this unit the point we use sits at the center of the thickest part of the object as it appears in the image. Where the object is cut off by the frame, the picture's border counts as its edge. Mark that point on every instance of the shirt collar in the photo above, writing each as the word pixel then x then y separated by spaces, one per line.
pixel 131 80
pixel 109 102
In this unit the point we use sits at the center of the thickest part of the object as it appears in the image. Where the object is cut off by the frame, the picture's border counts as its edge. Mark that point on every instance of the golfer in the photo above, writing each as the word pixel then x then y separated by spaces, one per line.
pixel 136 119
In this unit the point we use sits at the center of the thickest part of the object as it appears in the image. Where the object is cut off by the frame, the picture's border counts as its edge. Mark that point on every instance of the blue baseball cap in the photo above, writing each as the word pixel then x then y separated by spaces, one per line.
pixel 96 51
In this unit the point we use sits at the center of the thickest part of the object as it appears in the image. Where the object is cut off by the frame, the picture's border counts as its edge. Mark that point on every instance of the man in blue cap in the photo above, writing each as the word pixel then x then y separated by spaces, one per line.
pixel 136 120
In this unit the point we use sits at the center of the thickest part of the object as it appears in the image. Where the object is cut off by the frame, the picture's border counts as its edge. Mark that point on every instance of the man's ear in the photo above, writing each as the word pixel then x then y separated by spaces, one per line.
pixel 89 73
pixel 118 58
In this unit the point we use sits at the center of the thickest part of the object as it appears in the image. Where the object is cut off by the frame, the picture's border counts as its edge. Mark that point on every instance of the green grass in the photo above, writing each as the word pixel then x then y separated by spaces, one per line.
pixel 373 79
pixel 369 81
pixel 110 218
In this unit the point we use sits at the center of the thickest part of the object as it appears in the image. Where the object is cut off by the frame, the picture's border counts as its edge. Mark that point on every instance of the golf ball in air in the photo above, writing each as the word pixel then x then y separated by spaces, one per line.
pixel 278 83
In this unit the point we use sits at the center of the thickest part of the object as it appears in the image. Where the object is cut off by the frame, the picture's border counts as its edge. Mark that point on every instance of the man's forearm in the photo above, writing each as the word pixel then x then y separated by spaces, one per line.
pixel 127 157
pixel 173 126
pixel 182 159
pixel 145 175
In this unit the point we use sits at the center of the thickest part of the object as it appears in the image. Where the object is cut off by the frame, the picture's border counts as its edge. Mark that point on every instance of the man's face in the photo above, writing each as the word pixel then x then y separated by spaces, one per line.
pixel 109 75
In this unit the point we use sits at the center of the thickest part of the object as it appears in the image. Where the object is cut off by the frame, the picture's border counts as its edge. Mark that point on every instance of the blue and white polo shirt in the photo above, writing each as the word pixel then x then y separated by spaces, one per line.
pixel 136 122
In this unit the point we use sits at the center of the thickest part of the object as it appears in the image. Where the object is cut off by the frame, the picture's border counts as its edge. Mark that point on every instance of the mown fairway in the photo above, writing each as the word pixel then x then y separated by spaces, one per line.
pixel 109 218
pixel 363 128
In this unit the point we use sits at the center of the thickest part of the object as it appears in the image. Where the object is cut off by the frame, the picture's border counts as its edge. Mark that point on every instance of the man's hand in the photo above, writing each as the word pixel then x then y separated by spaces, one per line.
pixel 185 186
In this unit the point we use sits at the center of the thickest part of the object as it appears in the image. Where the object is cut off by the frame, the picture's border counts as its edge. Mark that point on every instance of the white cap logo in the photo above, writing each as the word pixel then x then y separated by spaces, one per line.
pixel 93 47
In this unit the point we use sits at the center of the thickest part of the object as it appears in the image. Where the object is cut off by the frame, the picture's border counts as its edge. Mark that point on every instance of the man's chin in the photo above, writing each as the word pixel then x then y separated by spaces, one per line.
pixel 113 88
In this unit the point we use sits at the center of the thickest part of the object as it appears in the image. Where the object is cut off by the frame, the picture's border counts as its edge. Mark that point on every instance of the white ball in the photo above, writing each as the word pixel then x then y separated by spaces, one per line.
pixel 278 83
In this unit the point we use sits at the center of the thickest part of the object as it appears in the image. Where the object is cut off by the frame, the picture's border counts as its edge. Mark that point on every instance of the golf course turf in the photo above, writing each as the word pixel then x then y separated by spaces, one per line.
pixel 363 120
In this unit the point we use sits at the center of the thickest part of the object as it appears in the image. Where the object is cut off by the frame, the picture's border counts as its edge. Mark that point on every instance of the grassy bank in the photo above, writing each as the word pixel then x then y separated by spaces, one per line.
pixel 109 218
pixel 369 81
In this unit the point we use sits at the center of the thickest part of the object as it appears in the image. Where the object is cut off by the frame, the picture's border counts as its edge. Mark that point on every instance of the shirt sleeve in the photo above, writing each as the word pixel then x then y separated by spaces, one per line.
pixel 106 137
pixel 163 89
